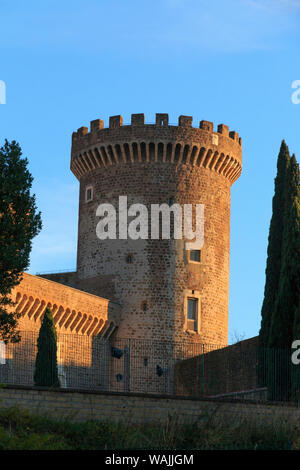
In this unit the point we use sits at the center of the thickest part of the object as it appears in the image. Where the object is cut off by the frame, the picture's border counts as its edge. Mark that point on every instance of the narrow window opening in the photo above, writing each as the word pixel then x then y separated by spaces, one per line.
pixel 129 258
pixel 192 309
pixel 195 255
pixel 192 314
pixel 88 194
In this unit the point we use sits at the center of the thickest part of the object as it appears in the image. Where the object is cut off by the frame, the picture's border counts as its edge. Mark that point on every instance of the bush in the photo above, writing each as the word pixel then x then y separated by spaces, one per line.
pixel 22 430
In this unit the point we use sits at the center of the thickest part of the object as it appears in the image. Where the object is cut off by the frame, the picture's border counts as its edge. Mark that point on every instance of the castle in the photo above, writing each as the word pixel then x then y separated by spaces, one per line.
pixel 145 289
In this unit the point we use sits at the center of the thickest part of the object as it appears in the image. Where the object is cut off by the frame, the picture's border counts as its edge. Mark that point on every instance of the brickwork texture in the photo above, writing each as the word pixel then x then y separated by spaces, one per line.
pixel 82 406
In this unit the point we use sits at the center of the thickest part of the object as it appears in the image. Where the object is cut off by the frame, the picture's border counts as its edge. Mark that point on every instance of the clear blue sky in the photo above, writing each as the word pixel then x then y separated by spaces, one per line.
pixel 68 62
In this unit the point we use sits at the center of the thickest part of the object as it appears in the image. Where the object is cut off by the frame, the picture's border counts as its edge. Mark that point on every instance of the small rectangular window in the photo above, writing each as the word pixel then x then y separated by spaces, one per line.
pixel 88 193
pixel 192 314
pixel 192 309
pixel 195 255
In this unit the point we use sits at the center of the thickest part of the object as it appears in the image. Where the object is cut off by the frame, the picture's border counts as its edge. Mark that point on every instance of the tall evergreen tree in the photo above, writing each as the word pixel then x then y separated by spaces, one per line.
pixel 19 224
pixel 295 271
pixel 46 371
pixel 282 376
pixel 281 328
pixel 273 266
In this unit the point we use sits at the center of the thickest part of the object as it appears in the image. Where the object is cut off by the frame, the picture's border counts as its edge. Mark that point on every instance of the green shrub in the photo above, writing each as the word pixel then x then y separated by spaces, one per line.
pixel 21 430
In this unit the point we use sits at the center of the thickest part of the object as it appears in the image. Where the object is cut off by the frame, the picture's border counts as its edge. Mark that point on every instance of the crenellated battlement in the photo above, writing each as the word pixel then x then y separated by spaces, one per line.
pixel 219 150
pixel 162 120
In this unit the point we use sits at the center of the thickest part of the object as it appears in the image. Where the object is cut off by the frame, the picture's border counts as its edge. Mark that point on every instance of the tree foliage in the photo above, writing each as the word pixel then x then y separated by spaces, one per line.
pixel 281 306
pixel 274 244
pixel 46 371
pixel 287 300
pixel 19 224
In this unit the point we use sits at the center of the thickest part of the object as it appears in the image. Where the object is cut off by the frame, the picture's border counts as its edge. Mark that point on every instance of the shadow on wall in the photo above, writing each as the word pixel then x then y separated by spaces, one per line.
pixel 95 363
pixel 221 371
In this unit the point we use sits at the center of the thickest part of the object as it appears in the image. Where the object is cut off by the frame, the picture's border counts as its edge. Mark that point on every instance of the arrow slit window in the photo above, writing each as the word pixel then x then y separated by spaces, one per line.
pixel 192 313
pixel 88 193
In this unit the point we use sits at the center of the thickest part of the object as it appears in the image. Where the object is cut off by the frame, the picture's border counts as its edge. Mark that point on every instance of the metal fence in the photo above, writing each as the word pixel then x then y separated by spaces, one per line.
pixel 164 367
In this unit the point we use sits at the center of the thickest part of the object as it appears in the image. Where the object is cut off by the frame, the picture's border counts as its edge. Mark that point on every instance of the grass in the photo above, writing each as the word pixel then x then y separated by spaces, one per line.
pixel 21 430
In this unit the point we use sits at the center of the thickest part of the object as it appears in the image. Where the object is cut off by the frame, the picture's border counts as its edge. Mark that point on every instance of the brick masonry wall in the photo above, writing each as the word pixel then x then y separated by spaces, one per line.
pixel 160 273
pixel 92 285
pixel 221 371
pixel 74 311
pixel 151 164
pixel 81 321
pixel 82 406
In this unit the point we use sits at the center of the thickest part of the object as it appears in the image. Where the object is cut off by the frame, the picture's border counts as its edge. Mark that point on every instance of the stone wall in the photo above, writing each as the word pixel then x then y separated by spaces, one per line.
pixel 84 324
pixel 93 285
pixel 137 408
pixel 221 371
pixel 153 164
pixel 74 311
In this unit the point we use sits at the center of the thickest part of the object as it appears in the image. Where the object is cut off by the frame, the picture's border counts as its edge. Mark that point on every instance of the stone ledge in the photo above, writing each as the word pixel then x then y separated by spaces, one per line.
pixel 147 396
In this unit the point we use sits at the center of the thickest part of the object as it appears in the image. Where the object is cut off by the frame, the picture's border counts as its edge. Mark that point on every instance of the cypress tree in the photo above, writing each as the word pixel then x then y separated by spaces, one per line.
pixel 282 322
pixel 295 373
pixel 46 372
pixel 273 266
pixel 283 325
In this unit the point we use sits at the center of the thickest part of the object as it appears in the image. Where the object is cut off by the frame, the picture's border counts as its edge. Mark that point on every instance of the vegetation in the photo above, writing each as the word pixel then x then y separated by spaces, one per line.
pixel 19 224
pixel 20 430
pixel 277 223
pixel 46 372
pixel 287 300
pixel 281 297
pixel 281 305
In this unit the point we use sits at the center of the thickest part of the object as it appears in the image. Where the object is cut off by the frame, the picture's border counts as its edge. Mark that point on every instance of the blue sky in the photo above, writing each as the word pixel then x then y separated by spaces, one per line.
pixel 66 63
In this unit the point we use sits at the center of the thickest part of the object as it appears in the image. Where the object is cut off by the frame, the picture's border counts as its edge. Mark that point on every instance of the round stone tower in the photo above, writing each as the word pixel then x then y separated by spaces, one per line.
pixel 166 292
